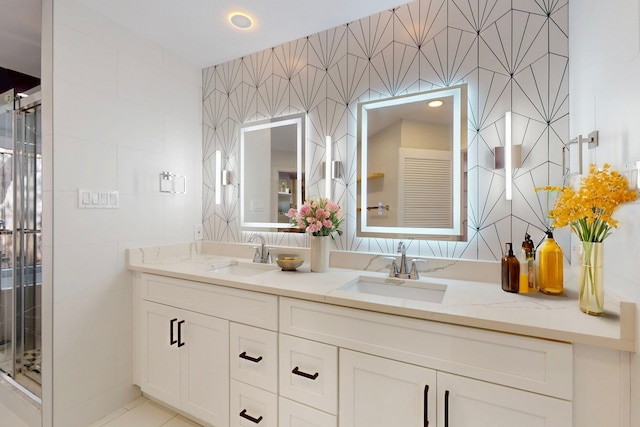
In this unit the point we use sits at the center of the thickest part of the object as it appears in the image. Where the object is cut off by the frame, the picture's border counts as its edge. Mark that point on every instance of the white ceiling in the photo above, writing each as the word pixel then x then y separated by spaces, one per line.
pixel 20 36
pixel 196 30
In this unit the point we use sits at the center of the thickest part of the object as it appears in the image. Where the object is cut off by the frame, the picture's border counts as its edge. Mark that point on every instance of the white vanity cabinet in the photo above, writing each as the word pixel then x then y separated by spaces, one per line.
pixel 186 333
pixel 182 362
pixel 232 357
pixel 402 371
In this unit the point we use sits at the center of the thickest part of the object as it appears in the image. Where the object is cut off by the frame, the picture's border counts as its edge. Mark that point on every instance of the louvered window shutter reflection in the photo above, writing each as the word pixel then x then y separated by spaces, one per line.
pixel 426 187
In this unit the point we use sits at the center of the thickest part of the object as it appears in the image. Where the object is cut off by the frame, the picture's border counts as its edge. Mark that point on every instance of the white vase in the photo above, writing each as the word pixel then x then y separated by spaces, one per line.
pixel 320 253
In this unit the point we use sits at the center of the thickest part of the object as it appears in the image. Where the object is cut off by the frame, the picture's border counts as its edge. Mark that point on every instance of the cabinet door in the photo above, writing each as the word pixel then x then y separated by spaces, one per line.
pixel 377 392
pixel 160 357
pixel 464 402
pixel 205 367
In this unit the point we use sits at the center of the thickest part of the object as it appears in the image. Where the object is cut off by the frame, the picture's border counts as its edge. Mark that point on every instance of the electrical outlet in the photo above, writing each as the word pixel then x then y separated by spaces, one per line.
pixel 198 232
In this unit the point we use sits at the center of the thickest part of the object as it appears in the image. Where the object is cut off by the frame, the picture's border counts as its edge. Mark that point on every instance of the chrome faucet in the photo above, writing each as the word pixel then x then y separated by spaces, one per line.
pixel 262 254
pixel 403 271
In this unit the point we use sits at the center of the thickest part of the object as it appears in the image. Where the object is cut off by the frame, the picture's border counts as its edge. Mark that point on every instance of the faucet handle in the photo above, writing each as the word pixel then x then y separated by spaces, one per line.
pixel 394 265
pixel 257 257
pixel 414 269
pixel 267 257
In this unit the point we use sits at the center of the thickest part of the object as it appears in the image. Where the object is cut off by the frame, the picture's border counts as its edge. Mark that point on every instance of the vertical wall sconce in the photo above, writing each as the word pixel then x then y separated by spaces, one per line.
pixel 508 157
pixel 327 166
pixel 332 168
pixel 508 168
pixel 222 177
pixel 218 177
pixel 336 169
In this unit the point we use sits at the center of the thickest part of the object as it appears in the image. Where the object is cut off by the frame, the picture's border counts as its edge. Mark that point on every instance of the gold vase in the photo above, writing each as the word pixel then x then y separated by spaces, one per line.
pixel 591 278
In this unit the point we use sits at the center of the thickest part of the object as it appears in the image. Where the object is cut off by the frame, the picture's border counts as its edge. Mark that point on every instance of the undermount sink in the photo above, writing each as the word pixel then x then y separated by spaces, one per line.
pixel 244 269
pixel 397 288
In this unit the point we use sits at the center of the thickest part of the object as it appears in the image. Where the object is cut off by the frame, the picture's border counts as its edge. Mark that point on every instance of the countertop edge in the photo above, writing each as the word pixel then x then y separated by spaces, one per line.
pixel 625 342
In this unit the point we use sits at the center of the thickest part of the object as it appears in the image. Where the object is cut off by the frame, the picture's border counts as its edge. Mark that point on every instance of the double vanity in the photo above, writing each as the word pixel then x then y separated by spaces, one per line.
pixel 230 342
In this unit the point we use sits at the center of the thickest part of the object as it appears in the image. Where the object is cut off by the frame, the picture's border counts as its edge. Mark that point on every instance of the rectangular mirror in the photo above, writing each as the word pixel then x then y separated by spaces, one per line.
pixel 412 166
pixel 271 171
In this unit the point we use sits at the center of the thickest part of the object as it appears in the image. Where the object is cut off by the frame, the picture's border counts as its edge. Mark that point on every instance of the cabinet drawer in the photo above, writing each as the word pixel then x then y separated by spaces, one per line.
pixel 250 406
pixel 309 373
pixel 254 356
pixel 239 305
pixel 293 414
pixel 532 364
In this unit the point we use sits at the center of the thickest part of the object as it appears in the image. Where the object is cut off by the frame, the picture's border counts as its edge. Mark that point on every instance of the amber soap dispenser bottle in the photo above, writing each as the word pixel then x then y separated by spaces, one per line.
pixel 550 275
pixel 510 271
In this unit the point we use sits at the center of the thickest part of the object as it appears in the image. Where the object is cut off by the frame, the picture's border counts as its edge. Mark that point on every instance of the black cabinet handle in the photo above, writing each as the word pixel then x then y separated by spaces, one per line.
pixel 171 340
pixel 304 374
pixel 243 355
pixel 446 408
pixel 426 406
pixel 244 414
pixel 180 343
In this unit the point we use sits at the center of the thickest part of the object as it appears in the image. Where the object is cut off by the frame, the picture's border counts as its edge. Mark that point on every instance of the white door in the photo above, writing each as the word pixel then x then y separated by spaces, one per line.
pixel 377 392
pixel 160 356
pixel 204 344
pixel 463 402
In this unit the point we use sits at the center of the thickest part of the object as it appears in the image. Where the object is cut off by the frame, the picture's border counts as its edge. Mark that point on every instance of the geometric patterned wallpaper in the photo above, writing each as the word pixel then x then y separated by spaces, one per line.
pixel 513 55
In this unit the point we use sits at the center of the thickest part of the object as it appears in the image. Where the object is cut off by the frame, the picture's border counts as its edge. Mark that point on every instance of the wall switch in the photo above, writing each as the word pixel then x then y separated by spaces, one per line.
pixel 98 199
pixel 198 233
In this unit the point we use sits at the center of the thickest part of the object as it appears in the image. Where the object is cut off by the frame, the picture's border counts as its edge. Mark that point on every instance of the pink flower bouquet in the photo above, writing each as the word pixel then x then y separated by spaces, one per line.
pixel 320 217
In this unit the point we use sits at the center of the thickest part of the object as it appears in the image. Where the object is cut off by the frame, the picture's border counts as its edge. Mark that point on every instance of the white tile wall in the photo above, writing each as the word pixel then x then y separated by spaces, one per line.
pixel 124 110
pixel 604 96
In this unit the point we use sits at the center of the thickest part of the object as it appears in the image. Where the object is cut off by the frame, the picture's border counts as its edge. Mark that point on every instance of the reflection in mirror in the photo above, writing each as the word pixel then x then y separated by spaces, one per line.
pixel 271 171
pixel 412 166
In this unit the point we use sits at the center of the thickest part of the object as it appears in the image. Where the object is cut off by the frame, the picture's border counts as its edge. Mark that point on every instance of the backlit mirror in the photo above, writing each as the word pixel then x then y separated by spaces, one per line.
pixel 412 166
pixel 271 171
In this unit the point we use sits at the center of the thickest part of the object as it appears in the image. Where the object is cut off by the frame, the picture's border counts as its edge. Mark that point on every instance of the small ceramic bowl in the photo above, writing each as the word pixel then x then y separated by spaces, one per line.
pixel 287 263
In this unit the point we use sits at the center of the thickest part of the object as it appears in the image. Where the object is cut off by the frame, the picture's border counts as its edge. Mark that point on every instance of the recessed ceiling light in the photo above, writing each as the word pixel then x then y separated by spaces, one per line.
pixel 436 103
pixel 241 20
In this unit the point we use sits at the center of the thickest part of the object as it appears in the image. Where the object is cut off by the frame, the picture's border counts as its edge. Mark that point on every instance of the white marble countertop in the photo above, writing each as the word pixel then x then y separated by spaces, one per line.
pixel 473 295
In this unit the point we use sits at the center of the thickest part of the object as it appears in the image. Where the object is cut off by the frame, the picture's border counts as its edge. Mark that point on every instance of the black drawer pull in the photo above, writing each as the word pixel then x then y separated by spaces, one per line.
pixel 180 343
pixel 446 408
pixel 426 406
pixel 244 414
pixel 304 374
pixel 172 341
pixel 243 355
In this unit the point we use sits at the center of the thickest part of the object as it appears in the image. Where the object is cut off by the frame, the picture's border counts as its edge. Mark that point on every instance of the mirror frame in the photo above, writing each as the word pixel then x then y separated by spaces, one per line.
pixel 300 121
pixel 459 230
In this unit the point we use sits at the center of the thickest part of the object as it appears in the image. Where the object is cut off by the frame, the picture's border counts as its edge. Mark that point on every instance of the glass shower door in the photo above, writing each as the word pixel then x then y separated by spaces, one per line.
pixel 20 244
pixel 27 231
pixel 7 339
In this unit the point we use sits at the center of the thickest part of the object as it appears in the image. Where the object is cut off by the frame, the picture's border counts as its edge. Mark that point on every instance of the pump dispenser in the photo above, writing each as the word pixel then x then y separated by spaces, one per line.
pixel 527 268
pixel 550 274
pixel 510 271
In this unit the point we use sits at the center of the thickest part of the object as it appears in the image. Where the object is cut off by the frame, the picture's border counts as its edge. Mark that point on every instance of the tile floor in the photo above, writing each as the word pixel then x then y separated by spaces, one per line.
pixel 143 412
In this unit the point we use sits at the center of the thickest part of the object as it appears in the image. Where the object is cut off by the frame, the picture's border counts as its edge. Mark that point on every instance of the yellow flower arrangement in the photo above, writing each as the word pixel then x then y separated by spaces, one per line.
pixel 589 210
